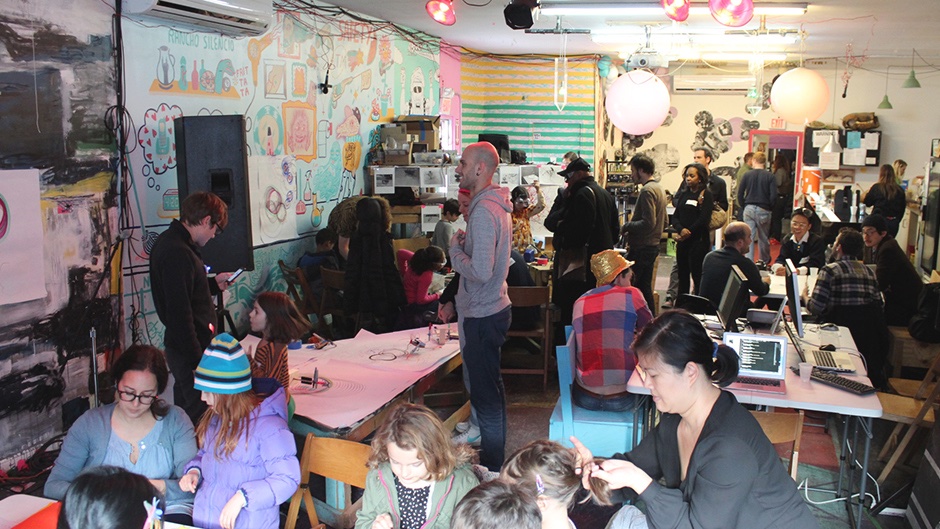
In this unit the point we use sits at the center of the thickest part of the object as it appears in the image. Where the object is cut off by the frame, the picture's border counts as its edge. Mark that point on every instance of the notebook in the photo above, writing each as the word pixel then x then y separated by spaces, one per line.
pixel 762 361
pixel 835 361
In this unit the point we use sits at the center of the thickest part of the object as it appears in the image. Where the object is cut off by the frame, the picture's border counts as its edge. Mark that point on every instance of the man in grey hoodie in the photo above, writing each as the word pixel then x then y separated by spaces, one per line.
pixel 481 256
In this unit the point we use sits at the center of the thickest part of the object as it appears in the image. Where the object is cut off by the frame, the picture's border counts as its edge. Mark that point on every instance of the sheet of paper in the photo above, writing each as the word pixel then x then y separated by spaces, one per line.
pixel 21 225
pixel 870 141
pixel 853 139
pixel 384 180
pixel 829 160
pixel 853 157
pixel 429 217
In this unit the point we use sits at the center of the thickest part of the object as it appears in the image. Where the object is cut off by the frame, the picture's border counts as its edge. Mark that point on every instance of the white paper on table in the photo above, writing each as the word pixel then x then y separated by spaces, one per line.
pixel 829 160
pixel 384 180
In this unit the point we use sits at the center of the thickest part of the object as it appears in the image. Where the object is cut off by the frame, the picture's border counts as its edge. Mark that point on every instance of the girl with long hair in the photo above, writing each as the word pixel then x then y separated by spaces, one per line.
pixel 276 317
pixel 887 199
pixel 247 460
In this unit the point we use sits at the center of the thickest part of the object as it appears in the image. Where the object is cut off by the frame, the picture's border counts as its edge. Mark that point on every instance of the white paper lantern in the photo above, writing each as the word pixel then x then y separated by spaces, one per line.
pixel 638 102
pixel 800 95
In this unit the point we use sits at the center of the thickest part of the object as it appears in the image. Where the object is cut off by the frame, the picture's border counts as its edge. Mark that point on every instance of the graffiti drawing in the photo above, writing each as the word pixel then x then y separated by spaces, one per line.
pixel 301 129
pixel 299 79
pixel 269 131
pixel 166 68
pixel 275 80
pixel 255 47
pixel 157 137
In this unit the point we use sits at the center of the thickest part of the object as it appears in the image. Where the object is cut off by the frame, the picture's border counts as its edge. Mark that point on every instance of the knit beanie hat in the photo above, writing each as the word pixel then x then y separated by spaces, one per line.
pixel 224 367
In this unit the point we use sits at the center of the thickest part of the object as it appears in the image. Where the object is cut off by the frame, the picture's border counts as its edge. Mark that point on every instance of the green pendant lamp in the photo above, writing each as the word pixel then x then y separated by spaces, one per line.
pixel 885 104
pixel 911 81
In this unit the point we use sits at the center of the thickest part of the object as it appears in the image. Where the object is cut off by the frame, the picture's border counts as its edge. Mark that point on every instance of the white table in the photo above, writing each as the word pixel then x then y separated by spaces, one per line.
pixel 816 396
pixel 778 284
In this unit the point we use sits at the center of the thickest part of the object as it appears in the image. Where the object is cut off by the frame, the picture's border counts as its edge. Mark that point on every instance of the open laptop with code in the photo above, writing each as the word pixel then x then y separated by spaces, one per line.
pixel 835 361
pixel 762 361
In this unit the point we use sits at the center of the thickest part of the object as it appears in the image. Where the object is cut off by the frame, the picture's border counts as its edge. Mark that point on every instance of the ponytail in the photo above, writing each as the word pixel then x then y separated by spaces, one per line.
pixel 724 365
pixel 678 338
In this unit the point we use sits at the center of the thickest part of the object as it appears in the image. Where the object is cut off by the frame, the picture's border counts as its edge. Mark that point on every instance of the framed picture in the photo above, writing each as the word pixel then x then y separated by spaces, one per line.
pixel 935 148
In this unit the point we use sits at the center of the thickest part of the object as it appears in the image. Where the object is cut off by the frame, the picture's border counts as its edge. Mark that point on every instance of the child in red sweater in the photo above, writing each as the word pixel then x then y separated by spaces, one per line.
pixel 417 271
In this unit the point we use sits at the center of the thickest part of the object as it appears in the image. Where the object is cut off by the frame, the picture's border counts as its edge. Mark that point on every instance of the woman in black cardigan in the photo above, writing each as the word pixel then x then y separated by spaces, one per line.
pixel 694 204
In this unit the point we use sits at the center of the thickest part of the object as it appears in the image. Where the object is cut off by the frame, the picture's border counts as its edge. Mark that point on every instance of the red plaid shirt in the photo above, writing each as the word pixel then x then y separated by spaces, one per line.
pixel 605 320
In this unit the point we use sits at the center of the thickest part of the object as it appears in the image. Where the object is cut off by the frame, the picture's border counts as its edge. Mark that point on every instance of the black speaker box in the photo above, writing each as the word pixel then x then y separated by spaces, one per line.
pixel 212 156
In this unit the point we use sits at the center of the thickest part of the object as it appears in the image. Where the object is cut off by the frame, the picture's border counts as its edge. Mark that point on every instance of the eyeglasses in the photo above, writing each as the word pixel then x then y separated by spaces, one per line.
pixel 218 228
pixel 129 396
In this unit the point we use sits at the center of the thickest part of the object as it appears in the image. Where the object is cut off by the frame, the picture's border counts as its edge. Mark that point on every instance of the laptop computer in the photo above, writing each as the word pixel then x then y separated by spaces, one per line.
pixel 762 361
pixel 835 361
pixel 766 321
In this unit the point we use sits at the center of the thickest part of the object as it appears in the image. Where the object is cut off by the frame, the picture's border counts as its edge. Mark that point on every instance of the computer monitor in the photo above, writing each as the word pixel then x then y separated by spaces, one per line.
pixel 733 299
pixel 793 297
pixel 501 142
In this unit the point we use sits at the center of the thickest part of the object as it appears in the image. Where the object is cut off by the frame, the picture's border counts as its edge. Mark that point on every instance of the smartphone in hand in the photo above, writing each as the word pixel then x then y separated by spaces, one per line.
pixel 231 279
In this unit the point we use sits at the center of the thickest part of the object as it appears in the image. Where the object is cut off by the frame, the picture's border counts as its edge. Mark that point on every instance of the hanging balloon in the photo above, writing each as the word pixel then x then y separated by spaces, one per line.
pixel 638 102
pixel 603 66
pixel 800 95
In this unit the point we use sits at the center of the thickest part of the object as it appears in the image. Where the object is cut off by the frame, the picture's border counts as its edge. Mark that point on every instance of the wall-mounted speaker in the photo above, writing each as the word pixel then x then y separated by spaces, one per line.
pixel 212 156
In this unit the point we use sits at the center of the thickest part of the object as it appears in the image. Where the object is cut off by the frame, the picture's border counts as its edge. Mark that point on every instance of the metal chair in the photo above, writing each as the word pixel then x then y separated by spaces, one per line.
pixel 334 459
pixel 543 331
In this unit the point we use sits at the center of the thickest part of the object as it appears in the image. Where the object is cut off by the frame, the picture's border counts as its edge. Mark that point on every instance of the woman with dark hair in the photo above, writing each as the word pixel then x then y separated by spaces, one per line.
pixel 372 287
pixel 276 317
pixel 108 497
pixel 784 177
pixel 417 273
pixel 707 463
pixel 694 204
pixel 886 198
pixel 138 432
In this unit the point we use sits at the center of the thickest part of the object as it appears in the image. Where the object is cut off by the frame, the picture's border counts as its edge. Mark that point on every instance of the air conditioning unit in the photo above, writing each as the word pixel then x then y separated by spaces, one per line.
pixel 233 17
pixel 711 84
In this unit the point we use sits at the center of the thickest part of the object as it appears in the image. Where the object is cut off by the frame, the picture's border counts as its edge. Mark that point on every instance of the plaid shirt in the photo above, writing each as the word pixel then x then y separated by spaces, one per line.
pixel 846 282
pixel 605 320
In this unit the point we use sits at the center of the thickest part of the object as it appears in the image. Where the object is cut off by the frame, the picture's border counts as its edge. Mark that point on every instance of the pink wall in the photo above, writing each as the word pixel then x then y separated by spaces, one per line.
pixel 450 78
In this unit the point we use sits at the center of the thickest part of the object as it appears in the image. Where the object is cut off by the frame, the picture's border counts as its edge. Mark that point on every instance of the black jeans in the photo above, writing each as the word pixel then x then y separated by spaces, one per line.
pixel 644 258
pixel 185 395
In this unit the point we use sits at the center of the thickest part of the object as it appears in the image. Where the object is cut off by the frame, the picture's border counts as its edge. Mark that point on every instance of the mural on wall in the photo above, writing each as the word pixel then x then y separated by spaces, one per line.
pixel 58 214
pixel 304 88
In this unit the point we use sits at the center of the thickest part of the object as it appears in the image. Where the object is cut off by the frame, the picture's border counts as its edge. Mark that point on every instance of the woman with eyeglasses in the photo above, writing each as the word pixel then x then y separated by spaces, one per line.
pixel 707 463
pixel 138 432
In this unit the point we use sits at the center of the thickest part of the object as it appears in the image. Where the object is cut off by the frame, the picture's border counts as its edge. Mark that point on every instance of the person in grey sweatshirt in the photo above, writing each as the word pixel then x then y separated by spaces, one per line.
pixel 481 257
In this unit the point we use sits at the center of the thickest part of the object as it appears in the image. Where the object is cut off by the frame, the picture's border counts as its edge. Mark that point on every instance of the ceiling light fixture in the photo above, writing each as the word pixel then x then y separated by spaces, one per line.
pixel 521 14
pixel 441 11
pixel 677 10
pixel 911 81
pixel 885 104
pixel 732 13
pixel 647 9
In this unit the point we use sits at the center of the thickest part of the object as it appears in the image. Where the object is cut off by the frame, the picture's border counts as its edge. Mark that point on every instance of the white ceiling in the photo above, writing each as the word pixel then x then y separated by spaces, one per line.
pixel 876 29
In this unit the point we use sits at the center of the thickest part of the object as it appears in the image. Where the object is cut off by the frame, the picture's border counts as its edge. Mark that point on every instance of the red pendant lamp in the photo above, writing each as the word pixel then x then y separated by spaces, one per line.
pixel 442 11
pixel 677 10
pixel 732 13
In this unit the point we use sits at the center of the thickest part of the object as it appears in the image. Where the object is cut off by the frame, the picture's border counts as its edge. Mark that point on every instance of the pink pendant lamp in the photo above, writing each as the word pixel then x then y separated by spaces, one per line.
pixel 677 10
pixel 732 13
pixel 442 11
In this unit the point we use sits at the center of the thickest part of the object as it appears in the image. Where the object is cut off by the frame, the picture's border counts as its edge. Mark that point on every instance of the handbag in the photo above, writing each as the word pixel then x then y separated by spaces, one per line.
pixel 719 216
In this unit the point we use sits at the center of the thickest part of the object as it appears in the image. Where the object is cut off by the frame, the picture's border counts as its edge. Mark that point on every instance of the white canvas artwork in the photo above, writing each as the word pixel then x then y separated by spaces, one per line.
pixel 22 276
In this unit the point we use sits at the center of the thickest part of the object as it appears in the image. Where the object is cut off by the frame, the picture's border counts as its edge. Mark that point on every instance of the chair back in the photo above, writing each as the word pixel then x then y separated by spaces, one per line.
pixel 783 428
pixel 331 303
pixel 696 304
pixel 414 244
pixel 907 412
pixel 336 459
pixel 915 389
pixel 541 333
pixel 299 289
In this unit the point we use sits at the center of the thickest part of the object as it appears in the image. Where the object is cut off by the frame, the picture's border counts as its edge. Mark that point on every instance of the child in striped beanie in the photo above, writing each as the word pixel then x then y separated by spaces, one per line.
pixel 246 451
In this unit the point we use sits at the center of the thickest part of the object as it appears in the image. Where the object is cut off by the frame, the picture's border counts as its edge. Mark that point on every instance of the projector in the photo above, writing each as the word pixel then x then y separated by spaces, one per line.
pixel 646 60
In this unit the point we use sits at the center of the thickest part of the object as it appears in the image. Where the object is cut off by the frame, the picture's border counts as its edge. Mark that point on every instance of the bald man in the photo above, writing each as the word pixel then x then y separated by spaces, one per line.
pixel 717 265
pixel 481 257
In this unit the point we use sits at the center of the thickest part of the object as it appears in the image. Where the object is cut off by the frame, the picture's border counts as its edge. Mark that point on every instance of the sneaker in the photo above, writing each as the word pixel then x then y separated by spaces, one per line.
pixel 471 437
pixel 462 427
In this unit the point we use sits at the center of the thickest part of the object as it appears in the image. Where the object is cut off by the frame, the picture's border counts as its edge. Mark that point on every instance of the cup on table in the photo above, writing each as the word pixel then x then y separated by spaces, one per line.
pixel 806 372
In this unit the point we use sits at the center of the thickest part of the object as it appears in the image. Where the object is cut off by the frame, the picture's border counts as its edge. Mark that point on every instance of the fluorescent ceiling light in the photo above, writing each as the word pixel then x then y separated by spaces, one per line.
pixel 641 9
pixel 720 56
pixel 660 40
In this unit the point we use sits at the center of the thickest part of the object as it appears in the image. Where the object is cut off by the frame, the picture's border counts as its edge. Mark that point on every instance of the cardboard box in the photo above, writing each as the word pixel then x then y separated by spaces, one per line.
pixel 424 129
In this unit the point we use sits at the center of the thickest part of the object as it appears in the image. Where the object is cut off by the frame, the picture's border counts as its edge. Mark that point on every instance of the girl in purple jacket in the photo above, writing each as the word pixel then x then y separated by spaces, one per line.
pixel 247 461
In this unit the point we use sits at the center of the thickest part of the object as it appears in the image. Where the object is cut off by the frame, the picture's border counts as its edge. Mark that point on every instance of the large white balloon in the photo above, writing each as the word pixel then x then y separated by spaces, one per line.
pixel 800 95
pixel 638 102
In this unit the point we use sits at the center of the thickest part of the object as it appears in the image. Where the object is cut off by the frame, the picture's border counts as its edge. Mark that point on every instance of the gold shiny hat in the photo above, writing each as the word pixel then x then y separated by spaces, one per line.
pixel 607 265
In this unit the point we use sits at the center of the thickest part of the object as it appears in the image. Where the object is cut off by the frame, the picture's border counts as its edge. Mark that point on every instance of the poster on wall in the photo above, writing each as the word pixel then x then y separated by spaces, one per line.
pixel 20 228
pixel 384 180
pixel 273 188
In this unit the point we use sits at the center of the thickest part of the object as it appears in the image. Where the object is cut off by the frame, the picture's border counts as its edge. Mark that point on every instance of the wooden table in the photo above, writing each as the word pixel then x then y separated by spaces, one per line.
pixel 541 274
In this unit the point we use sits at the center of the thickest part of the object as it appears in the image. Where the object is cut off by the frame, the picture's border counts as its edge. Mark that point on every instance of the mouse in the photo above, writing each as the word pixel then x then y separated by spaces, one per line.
pixel 827 347
pixel 829 327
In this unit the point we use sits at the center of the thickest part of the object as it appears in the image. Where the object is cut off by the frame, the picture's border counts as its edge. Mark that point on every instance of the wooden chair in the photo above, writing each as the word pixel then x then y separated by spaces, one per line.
pixel 783 428
pixel 543 331
pixel 299 290
pixel 909 412
pixel 918 389
pixel 336 459
pixel 331 302
pixel 606 432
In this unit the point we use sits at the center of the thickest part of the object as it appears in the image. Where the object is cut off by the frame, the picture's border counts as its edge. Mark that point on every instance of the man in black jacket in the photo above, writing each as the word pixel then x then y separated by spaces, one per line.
pixel 804 248
pixel 717 266
pixel 182 292
pixel 585 221
pixel 897 279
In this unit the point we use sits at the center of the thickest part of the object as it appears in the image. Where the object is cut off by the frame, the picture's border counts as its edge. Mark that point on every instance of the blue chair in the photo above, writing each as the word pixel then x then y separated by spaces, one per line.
pixel 604 432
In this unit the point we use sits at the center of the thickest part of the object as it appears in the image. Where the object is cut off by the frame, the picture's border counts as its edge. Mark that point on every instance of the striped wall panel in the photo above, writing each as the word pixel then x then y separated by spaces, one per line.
pixel 515 98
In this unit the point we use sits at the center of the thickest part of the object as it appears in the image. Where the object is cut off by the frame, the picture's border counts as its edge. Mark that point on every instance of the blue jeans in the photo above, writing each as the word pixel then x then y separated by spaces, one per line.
pixel 758 219
pixel 585 400
pixel 484 338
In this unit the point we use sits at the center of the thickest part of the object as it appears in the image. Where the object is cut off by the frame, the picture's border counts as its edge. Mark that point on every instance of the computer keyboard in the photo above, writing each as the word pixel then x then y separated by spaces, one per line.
pixel 846 384
pixel 758 381
pixel 824 359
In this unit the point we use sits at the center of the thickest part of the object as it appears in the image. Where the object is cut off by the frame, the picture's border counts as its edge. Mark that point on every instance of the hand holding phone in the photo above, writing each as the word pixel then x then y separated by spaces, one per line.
pixel 234 275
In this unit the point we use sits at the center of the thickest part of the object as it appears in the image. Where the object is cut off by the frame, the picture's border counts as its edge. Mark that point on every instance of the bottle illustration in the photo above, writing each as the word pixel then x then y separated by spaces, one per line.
pixel 194 84
pixel 183 81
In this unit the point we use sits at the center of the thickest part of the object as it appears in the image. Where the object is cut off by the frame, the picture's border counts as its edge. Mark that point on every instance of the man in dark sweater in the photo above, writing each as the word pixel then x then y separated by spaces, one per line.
pixel 758 193
pixel 717 265
pixel 182 292
pixel 897 279
pixel 645 228
pixel 806 249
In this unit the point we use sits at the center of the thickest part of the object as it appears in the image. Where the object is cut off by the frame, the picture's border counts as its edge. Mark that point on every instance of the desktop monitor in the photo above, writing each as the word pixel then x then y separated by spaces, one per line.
pixel 733 300
pixel 501 142
pixel 793 297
